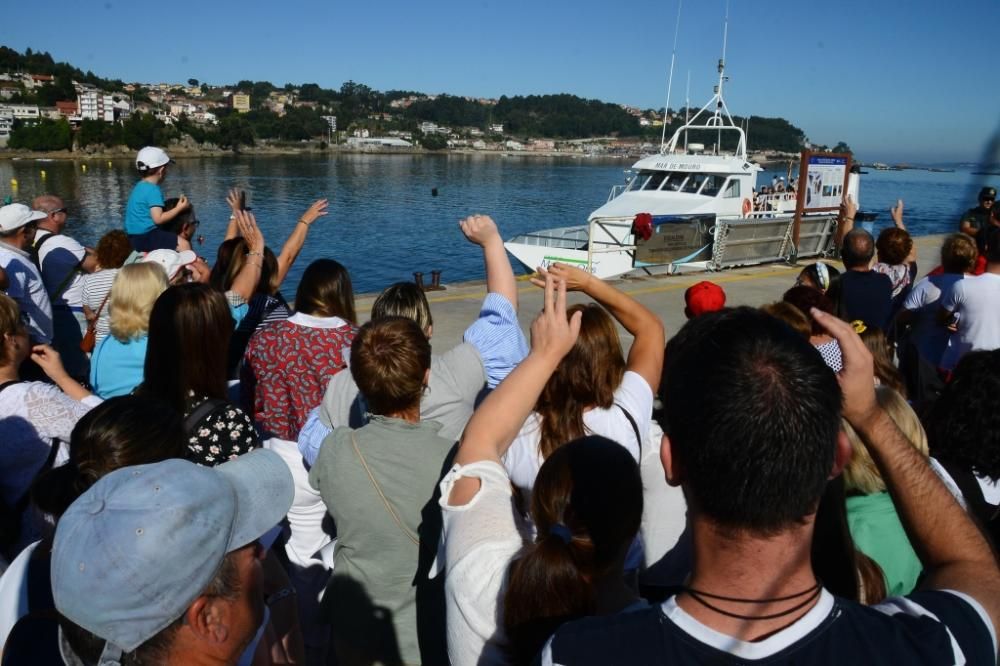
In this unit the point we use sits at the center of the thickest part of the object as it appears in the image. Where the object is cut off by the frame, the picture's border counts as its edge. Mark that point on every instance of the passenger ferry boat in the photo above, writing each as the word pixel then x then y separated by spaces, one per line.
pixel 691 197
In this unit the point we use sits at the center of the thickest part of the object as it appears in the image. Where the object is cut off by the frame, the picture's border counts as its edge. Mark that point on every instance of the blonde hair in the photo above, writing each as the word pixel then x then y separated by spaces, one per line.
pixel 861 475
pixel 135 289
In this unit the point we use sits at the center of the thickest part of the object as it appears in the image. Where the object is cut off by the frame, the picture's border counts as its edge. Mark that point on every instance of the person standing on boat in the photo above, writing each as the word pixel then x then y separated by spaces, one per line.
pixel 976 219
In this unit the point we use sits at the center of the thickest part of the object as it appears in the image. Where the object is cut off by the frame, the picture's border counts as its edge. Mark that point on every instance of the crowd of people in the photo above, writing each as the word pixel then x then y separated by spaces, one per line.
pixel 195 470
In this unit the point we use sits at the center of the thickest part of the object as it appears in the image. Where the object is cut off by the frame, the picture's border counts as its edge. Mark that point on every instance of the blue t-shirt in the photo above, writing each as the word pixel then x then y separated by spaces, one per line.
pixel 144 196
pixel 116 367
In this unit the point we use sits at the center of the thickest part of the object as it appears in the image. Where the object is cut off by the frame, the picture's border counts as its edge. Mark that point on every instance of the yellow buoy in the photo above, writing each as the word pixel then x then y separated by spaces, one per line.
pixel 83 167
pixel 109 164
pixel 13 182
pixel 43 173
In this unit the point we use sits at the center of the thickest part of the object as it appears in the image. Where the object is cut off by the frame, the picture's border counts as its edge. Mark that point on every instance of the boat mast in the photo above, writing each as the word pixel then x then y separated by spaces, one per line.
pixel 670 79
pixel 722 78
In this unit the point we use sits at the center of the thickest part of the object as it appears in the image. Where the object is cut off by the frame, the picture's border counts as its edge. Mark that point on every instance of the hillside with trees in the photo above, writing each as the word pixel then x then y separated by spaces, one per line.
pixel 357 107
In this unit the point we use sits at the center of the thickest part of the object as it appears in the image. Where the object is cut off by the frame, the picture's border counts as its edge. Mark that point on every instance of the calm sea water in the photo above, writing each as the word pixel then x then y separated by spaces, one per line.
pixel 384 221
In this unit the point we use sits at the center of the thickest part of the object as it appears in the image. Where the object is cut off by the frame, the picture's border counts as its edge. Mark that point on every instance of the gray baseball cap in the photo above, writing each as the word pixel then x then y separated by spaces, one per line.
pixel 135 550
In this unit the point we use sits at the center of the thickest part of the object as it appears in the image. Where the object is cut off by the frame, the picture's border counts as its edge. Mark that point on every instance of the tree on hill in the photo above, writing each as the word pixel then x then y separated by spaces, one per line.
pixel 45 135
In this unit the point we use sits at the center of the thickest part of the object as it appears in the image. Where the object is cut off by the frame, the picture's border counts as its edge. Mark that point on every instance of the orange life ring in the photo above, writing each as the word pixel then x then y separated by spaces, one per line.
pixel 747 207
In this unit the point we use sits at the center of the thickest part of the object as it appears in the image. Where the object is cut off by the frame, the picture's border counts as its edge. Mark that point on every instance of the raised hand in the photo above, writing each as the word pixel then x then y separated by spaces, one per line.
pixel 576 279
pixel 247 225
pixel 552 334
pixel 233 199
pixel 314 212
pixel 182 203
pixel 857 378
pixel 48 360
pixel 897 213
pixel 479 229
pixel 848 207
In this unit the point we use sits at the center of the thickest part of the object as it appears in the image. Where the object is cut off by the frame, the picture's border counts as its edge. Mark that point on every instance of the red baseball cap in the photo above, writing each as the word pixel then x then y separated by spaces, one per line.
pixel 703 297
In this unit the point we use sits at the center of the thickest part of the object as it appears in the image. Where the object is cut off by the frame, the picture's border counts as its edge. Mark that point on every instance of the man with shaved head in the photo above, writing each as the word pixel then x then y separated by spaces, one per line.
pixel 63 262
pixel 859 292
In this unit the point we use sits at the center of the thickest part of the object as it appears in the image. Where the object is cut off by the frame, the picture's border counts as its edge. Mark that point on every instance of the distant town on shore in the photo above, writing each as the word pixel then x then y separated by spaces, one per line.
pixel 53 106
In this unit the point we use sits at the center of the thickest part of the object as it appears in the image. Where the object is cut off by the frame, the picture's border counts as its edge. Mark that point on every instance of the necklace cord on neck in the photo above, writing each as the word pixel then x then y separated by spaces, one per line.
pixel 815 591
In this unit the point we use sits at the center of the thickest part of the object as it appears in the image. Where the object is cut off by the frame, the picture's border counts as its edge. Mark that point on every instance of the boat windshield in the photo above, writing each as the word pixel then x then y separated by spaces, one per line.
pixel 654 181
pixel 666 181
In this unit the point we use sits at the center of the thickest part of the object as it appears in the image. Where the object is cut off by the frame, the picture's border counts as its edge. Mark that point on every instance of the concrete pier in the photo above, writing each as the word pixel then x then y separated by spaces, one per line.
pixel 456 307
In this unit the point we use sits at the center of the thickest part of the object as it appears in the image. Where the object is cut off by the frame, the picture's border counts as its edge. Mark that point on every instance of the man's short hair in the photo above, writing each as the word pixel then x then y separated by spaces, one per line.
pixel 389 360
pixel 858 248
pixel 958 253
pixel 752 413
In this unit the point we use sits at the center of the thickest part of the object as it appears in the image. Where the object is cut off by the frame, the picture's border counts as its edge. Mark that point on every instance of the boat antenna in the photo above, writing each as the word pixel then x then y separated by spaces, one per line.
pixel 722 79
pixel 670 79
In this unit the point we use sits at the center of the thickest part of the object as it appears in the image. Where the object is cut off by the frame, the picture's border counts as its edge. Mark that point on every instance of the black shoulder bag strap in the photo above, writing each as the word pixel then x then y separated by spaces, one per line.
pixel 635 427
pixel 198 414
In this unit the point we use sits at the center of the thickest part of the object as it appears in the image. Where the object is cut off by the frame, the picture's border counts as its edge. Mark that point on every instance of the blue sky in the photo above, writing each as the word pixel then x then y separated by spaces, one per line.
pixel 898 80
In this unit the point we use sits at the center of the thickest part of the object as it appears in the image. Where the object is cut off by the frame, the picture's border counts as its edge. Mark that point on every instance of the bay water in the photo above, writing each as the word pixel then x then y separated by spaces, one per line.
pixel 391 215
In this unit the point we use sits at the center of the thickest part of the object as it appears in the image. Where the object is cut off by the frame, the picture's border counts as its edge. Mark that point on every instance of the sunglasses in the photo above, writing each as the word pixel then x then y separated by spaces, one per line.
pixel 59 210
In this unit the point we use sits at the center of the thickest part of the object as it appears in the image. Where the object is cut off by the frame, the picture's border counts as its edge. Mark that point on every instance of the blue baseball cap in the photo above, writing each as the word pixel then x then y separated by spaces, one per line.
pixel 134 551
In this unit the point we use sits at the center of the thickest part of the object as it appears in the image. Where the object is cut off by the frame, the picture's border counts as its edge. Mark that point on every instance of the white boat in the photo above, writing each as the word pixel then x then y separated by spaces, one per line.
pixel 691 194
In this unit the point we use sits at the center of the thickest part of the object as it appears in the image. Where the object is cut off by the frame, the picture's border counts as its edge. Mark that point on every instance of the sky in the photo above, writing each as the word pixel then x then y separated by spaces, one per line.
pixel 898 80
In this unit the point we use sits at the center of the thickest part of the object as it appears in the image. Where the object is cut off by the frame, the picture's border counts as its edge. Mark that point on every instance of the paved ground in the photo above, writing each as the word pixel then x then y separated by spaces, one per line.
pixel 456 307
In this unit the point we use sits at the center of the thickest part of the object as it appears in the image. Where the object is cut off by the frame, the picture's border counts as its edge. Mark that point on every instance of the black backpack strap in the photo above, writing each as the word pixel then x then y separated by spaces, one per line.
pixel 635 427
pixel 199 413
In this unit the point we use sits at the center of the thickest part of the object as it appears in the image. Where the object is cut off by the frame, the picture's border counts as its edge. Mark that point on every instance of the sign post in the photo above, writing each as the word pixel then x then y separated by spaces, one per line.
pixel 821 186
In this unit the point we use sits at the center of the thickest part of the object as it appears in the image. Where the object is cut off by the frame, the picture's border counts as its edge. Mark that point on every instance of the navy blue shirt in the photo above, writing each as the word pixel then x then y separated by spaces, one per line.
pixel 923 628
pixel 863 295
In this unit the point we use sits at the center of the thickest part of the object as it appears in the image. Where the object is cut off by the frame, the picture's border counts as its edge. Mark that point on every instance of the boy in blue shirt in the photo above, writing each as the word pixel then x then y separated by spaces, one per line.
pixel 144 212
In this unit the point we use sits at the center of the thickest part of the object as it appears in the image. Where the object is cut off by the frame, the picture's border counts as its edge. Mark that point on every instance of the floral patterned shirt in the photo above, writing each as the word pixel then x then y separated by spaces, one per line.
pixel 224 434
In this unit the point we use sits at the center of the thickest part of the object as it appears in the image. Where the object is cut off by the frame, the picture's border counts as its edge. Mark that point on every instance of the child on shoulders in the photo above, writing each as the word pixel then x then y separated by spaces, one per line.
pixel 145 218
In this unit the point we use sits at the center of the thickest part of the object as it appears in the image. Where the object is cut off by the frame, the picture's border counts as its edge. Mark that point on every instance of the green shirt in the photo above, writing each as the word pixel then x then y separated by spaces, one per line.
pixel 878 534
pixel 375 561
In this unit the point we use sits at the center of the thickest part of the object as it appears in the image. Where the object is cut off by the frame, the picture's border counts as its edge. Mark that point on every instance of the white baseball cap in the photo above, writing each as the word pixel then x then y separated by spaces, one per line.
pixel 170 260
pixel 151 157
pixel 15 216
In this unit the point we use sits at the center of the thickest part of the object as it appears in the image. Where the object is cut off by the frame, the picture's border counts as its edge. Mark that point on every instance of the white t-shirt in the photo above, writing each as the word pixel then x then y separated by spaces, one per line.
pixel 59 257
pixel 479 541
pixel 523 459
pixel 924 300
pixel 976 300
pixel 26 287
pixel 32 414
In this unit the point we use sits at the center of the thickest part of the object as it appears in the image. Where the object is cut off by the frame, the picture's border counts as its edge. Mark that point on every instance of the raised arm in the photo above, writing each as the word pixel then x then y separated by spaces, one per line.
pixel 245 282
pixel 290 250
pixel 645 357
pixel 233 199
pixel 482 230
pixel 953 551
pixel 896 212
pixel 845 220
pixel 161 216
pixel 498 419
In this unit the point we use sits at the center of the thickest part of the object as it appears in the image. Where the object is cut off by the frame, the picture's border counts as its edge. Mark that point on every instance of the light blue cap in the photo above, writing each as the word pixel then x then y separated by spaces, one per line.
pixel 135 550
